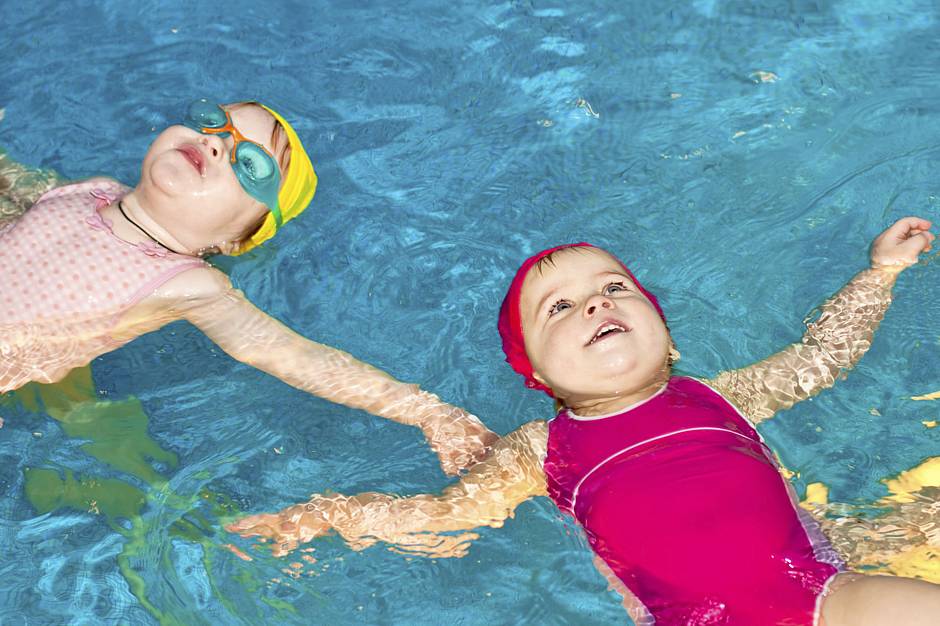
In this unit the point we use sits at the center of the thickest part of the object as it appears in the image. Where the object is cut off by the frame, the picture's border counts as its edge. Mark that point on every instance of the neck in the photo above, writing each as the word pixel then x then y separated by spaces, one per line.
pixel 132 223
pixel 615 403
pixel 140 228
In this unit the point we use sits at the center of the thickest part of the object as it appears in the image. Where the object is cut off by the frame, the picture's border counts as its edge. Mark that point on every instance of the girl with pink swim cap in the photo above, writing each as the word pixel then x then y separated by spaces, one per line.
pixel 680 498
pixel 87 267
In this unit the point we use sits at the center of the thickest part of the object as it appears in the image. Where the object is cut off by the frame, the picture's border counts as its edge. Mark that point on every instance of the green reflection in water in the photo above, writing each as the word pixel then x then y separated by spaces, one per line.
pixel 48 491
pixel 116 434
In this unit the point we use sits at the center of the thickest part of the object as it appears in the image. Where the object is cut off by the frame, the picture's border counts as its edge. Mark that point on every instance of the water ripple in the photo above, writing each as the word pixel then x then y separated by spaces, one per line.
pixel 451 142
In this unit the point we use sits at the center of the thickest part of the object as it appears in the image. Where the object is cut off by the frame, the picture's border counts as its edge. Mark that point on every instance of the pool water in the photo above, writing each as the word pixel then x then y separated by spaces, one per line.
pixel 740 156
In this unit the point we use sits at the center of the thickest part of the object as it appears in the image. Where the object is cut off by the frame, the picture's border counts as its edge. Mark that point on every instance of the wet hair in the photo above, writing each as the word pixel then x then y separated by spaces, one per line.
pixel 549 259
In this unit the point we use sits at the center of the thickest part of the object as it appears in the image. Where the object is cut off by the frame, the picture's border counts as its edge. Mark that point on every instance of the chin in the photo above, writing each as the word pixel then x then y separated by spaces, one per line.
pixel 618 366
pixel 167 176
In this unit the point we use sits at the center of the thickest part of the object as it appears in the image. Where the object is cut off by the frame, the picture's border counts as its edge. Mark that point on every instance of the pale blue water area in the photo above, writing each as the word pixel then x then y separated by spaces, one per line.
pixel 452 140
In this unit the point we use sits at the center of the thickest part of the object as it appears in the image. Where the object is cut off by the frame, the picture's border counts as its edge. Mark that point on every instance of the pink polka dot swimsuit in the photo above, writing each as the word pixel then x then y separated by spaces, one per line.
pixel 65 281
pixel 682 499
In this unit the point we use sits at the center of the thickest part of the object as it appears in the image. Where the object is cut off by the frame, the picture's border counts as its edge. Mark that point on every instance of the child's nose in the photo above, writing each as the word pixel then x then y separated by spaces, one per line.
pixel 215 145
pixel 595 303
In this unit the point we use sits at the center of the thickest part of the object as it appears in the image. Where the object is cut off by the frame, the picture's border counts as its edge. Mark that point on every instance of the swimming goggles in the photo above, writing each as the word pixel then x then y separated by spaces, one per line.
pixel 255 168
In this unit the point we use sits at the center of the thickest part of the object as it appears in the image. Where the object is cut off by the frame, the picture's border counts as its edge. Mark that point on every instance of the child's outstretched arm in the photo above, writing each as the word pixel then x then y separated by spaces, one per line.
pixel 485 496
pixel 838 339
pixel 206 298
pixel 21 187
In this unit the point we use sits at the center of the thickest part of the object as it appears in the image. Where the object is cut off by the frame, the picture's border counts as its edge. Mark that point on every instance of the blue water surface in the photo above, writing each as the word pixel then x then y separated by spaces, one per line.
pixel 740 156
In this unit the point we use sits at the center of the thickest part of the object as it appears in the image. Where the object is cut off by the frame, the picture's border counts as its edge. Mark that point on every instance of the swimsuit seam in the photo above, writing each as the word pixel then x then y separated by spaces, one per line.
pixel 577 487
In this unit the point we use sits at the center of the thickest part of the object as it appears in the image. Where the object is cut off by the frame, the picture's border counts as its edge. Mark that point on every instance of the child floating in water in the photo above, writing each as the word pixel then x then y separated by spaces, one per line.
pixel 679 496
pixel 92 265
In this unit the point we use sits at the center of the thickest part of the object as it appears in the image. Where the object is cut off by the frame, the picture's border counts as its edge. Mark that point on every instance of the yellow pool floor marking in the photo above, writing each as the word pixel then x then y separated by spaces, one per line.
pixel 927 474
pixel 918 484
pixel 921 562
pixel 816 494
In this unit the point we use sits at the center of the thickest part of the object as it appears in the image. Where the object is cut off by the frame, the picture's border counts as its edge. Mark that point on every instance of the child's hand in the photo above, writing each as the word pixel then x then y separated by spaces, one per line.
pixel 287 529
pixel 901 244
pixel 459 439
pixel 352 518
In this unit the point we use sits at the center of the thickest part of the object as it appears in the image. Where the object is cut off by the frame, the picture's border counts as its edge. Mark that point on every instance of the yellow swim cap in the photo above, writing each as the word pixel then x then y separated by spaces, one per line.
pixel 300 183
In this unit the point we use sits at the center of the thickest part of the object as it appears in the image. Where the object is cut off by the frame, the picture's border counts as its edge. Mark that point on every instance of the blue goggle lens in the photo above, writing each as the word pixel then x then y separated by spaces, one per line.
pixel 204 114
pixel 256 162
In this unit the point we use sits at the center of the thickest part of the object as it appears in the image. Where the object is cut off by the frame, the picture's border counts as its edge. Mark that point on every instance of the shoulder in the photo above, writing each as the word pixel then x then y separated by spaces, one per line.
pixel 722 385
pixel 738 393
pixel 718 386
pixel 196 284
pixel 176 298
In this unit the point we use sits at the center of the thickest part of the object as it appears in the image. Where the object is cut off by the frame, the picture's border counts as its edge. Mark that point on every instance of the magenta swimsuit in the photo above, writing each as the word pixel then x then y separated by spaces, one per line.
pixel 682 499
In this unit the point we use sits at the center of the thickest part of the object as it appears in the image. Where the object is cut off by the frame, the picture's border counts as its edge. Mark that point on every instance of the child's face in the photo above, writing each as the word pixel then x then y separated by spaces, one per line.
pixel 589 332
pixel 189 185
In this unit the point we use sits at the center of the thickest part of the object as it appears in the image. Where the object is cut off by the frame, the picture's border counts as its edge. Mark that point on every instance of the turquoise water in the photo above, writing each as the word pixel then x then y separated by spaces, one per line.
pixel 450 143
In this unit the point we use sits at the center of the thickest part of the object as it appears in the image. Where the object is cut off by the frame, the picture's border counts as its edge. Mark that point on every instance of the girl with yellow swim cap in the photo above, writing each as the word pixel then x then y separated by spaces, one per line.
pixel 115 263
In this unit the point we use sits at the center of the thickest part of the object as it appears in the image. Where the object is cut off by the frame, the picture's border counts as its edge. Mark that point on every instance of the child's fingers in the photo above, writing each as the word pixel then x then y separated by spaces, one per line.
pixel 918 231
pixel 253 522
pixel 907 224
pixel 930 237
pixel 265 532
pixel 917 243
pixel 243 527
pixel 901 231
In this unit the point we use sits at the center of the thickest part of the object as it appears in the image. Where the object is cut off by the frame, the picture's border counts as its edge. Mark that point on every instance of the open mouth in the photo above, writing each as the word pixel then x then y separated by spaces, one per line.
pixel 608 329
pixel 194 156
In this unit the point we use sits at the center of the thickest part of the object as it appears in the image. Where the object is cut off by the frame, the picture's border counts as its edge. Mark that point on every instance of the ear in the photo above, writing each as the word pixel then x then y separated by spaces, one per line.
pixel 674 355
pixel 227 248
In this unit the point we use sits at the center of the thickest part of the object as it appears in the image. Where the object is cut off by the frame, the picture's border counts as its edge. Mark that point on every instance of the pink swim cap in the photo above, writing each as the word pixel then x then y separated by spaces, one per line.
pixel 510 317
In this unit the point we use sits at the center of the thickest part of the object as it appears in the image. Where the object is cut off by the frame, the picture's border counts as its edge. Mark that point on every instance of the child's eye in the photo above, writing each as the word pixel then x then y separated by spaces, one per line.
pixel 249 165
pixel 614 288
pixel 558 307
